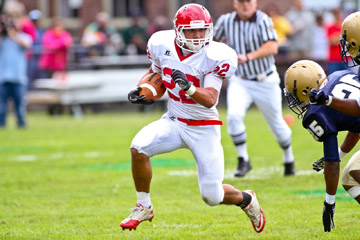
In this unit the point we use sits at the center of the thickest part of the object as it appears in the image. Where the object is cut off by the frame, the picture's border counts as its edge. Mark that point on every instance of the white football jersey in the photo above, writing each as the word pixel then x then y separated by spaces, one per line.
pixel 217 60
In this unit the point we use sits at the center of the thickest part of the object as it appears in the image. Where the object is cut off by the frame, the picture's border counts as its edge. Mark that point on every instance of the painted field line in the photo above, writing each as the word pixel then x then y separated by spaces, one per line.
pixel 25 158
pixel 59 155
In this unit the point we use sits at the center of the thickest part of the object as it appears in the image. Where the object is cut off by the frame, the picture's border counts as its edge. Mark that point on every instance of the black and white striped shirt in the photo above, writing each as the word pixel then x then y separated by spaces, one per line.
pixel 245 37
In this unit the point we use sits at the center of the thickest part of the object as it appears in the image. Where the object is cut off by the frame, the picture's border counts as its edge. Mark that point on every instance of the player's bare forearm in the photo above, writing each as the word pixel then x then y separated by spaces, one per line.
pixel 346 106
pixel 331 173
pixel 349 142
pixel 205 96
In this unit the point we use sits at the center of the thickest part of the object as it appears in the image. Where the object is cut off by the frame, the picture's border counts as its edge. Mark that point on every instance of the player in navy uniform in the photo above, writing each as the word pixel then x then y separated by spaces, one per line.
pixel 323 122
pixel 350 53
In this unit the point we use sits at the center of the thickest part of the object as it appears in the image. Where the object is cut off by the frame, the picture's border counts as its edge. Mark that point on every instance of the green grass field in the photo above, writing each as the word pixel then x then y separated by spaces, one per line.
pixel 64 178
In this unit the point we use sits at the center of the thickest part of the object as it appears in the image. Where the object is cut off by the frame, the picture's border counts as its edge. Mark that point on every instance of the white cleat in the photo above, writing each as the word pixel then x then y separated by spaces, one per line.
pixel 255 212
pixel 138 215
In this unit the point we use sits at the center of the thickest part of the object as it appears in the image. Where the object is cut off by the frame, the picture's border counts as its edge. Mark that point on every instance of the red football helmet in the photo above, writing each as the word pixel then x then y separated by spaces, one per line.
pixel 192 16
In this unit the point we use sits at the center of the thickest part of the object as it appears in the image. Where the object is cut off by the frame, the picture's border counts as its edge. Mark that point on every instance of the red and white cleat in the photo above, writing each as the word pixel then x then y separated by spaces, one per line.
pixel 255 212
pixel 138 215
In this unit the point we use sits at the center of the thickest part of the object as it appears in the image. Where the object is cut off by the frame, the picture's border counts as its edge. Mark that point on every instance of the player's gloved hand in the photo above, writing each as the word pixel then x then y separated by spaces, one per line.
pixel 318 97
pixel 328 216
pixel 180 78
pixel 319 164
pixel 134 97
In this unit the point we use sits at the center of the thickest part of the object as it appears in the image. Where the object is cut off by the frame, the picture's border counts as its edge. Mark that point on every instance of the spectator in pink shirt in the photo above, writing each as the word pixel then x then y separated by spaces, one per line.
pixel 56 44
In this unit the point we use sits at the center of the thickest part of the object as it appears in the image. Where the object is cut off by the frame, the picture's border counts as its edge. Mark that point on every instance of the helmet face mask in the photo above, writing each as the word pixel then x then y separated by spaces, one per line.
pixel 193 16
pixel 349 46
pixel 299 108
pixel 300 78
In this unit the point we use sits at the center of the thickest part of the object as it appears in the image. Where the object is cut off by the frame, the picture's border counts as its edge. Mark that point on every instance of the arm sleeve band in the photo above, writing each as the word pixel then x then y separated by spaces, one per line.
pixel 212 81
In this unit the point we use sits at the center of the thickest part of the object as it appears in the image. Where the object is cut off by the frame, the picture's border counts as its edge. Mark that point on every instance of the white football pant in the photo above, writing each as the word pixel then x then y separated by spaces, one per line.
pixel 168 134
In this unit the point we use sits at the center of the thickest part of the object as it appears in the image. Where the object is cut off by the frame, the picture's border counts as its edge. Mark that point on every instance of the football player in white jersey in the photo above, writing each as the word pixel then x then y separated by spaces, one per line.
pixel 193 68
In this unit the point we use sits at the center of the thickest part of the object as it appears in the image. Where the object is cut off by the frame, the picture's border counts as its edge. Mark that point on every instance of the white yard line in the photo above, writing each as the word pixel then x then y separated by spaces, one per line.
pixel 25 158
pixel 60 155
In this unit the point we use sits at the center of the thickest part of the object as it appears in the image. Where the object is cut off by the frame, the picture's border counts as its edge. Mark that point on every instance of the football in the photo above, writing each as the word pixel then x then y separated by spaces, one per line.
pixel 152 86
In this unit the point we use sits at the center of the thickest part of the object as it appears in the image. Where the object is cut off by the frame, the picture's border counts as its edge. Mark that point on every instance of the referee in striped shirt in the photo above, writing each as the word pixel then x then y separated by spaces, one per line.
pixel 251 34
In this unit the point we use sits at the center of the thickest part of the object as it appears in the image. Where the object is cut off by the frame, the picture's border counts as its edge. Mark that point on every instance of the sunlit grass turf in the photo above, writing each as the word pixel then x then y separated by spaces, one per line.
pixel 64 178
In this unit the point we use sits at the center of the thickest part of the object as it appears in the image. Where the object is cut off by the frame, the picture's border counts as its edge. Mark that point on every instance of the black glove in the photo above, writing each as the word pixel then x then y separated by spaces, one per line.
pixel 180 78
pixel 134 97
pixel 318 97
pixel 328 216
pixel 319 164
